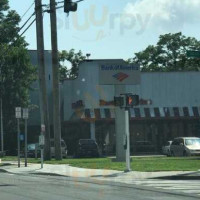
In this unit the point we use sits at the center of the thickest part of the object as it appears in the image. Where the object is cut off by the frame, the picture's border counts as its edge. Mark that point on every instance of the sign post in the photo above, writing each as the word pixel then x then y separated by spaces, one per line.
pixel 25 117
pixel 42 143
pixel 18 116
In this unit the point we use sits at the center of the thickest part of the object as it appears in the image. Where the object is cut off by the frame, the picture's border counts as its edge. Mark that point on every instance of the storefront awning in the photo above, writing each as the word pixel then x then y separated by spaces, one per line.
pixel 140 113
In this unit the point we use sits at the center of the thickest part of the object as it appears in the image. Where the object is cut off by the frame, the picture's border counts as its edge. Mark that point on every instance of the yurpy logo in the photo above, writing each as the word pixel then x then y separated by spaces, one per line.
pixel 120 76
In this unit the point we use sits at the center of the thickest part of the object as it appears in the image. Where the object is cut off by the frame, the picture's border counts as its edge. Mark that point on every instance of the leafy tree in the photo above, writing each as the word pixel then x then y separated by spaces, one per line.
pixel 17 73
pixel 169 54
pixel 75 59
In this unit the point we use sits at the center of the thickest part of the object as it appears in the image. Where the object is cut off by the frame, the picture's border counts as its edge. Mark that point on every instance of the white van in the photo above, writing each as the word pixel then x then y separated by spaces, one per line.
pixel 185 146
pixel 63 148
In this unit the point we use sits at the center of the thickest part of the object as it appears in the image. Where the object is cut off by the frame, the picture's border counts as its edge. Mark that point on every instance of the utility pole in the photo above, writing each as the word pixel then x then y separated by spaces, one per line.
pixel 44 113
pixel 55 70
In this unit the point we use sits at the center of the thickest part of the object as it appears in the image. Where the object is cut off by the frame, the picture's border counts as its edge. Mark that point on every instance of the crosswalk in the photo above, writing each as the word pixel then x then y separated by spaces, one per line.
pixel 183 186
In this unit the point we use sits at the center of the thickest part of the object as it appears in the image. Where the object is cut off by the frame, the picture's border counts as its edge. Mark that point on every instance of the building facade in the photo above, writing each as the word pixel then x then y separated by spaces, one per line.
pixel 169 107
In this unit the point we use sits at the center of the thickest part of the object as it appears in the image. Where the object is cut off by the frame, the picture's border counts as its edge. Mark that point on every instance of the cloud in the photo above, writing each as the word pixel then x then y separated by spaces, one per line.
pixel 167 15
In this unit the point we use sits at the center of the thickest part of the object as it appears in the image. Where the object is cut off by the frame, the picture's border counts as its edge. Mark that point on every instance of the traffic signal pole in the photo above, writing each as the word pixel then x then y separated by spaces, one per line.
pixel 123 102
pixel 56 93
pixel 44 111
pixel 120 125
pixel 127 134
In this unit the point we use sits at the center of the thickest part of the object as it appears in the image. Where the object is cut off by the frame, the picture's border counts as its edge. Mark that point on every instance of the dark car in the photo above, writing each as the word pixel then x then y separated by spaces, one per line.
pixel 86 148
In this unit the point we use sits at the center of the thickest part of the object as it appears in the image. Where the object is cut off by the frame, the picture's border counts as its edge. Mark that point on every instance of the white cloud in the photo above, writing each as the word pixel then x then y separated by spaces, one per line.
pixel 167 15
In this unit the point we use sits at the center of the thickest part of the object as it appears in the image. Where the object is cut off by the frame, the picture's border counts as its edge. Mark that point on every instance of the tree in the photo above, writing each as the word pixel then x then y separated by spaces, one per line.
pixel 75 59
pixel 169 54
pixel 17 73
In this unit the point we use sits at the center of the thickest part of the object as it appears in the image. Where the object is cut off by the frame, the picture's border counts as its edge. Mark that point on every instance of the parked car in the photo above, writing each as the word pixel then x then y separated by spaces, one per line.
pixel 63 148
pixel 144 147
pixel 185 146
pixel 166 148
pixel 32 149
pixel 86 148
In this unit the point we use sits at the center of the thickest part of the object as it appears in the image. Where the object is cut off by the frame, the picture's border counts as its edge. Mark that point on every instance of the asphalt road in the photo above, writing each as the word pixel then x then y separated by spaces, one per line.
pixel 25 187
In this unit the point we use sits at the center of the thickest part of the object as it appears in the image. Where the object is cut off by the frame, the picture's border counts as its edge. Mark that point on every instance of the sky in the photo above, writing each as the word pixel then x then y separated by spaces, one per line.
pixel 112 29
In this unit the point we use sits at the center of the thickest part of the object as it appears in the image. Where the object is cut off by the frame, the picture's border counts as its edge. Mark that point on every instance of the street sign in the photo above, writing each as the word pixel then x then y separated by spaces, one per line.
pixel 21 137
pixel 25 113
pixel 193 54
pixel 42 128
pixel 41 140
pixel 18 113
pixel 119 73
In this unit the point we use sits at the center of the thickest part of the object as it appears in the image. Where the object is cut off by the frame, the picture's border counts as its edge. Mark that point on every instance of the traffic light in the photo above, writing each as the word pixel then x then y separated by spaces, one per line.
pixel 119 101
pixel 70 6
pixel 132 100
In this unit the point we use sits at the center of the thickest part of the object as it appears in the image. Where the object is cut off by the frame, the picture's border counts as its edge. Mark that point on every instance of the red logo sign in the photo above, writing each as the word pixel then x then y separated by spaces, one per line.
pixel 120 76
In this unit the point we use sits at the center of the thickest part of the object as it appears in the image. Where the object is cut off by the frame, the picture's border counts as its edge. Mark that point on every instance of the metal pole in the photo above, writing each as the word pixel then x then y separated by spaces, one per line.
pixel 44 113
pixel 2 142
pixel 25 142
pixel 128 167
pixel 42 157
pixel 55 70
pixel 120 126
pixel 18 142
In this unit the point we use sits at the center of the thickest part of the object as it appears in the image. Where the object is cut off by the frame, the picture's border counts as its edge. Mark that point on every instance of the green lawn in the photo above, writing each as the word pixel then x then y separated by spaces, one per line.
pixel 148 164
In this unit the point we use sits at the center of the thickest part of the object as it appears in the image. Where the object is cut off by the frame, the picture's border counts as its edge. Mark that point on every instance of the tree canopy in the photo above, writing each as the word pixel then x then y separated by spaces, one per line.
pixel 75 59
pixel 169 54
pixel 17 73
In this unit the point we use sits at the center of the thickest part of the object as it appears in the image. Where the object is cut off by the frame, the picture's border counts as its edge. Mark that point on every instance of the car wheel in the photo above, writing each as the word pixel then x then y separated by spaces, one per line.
pixel 168 154
pixel 172 153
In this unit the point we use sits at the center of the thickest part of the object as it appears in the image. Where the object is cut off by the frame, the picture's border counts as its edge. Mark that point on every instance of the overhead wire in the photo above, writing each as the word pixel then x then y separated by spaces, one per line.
pixel 28 10
pixel 27 27
pixel 26 22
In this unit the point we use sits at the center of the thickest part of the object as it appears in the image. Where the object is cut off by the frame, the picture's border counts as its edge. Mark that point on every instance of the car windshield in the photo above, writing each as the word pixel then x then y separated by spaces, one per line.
pixel 31 147
pixel 192 142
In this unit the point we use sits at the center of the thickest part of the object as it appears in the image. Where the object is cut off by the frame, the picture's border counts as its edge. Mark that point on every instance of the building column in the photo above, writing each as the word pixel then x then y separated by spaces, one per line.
pixel 92 130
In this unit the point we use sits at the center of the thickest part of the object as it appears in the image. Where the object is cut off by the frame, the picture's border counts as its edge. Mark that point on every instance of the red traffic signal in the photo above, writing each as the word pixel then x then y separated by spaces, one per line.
pixel 132 100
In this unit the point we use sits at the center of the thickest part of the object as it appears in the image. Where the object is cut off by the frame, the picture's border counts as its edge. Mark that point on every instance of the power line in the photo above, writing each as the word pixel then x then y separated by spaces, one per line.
pixel 27 27
pixel 26 21
pixel 27 10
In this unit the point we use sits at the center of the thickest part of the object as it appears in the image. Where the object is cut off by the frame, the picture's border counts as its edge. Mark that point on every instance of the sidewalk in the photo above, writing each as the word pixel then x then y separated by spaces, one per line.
pixel 66 170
